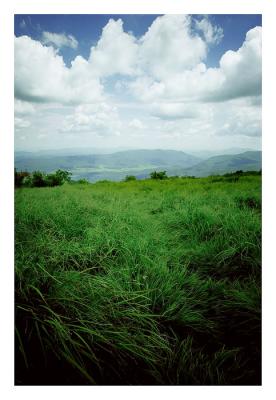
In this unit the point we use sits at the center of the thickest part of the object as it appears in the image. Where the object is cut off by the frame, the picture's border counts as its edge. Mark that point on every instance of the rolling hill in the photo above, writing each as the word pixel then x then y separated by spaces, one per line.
pixel 107 166
pixel 140 163
pixel 247 161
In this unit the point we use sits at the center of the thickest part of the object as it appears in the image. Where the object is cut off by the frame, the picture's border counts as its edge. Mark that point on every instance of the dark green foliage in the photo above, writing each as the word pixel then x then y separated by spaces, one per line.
pixel 153 282
pixel 158 175
pixel 63 176
pixel 40 179
pixel 130 178
pixel 237 173
pixel 83 181
pixel 52 180
pixel 58 178
pixel 19 177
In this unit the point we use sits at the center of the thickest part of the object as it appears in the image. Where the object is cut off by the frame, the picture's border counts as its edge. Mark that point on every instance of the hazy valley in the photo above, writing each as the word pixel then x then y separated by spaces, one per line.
pixel 115 166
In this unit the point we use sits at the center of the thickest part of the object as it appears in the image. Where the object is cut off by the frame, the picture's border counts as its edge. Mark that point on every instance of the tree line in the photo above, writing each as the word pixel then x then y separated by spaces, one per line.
pixel 40 179
pixel 59 177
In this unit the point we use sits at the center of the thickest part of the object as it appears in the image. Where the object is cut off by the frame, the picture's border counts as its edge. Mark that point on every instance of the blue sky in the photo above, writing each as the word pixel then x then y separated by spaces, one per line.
pixel 179 81
pixel 87 29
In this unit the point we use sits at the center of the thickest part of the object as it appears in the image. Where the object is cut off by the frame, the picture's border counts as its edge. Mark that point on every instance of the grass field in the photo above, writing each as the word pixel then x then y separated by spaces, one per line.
pixel 144 282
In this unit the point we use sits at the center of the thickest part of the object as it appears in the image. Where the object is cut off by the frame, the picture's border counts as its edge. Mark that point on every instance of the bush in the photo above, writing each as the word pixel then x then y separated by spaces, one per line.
pixel 52 180
pixel 130 178
pixel 63 176
pixel 40 179
pixel 19 177
pixel 159 175
pixel 83 181
pixel 58 178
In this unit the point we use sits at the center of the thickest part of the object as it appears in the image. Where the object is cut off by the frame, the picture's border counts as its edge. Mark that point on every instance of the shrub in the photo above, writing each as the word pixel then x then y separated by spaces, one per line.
pixel 19 177
pixel 159 175
pixel 53 180
pixel 83 181
pixel 58 178
pixel 38 179
pixel 63 176
pixel 130 178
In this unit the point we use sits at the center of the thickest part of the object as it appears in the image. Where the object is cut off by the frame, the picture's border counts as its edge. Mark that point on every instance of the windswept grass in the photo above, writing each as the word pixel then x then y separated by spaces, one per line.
pixel 139 282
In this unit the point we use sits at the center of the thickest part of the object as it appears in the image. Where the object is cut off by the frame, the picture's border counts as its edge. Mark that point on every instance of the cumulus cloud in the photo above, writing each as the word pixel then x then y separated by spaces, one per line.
pixel 115 52
pixel 167 62
pixel 169 47
pixel 161 77
pixel 59 40
pixel 41 75
pixel 238 75
pixel 242 69
pixel 99 119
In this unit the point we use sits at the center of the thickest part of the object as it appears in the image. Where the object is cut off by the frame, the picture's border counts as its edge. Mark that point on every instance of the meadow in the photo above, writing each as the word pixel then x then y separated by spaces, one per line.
pixel 139 282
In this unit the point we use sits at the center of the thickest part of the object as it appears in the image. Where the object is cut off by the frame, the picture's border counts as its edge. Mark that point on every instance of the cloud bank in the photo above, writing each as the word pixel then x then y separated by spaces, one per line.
pixel 163 74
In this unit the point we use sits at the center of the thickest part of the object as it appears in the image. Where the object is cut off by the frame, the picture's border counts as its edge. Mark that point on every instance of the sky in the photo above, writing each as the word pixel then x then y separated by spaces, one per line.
pixel 184 82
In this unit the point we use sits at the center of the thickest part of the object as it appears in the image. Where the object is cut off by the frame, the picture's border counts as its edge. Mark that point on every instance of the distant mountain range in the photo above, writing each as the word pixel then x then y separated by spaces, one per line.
pixel 248 161
pixel 204 154
pixel 140 163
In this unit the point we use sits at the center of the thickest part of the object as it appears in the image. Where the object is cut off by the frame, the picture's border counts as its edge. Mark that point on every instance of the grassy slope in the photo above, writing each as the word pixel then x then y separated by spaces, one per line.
pixel 139 283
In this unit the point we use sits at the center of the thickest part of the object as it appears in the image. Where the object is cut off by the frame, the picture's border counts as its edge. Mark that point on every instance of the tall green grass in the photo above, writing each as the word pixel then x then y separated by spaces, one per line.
pixel 140 282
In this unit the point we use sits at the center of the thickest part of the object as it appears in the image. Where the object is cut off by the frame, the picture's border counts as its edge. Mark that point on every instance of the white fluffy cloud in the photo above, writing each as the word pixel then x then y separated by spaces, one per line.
pixel 98 119
pixel 242 69
pixel 41 75
pixel 59 39
pixel 115 52
pixel 167 62
pixel 169 47
pixel 162 78
pixel 238 75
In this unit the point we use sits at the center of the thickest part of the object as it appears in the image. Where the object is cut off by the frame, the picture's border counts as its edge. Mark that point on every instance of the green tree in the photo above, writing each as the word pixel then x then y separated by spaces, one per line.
pixel 130 178
pixel 38 179
pixel 53 180
pixel 64 176
pixel 159 175
pixel 19 177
